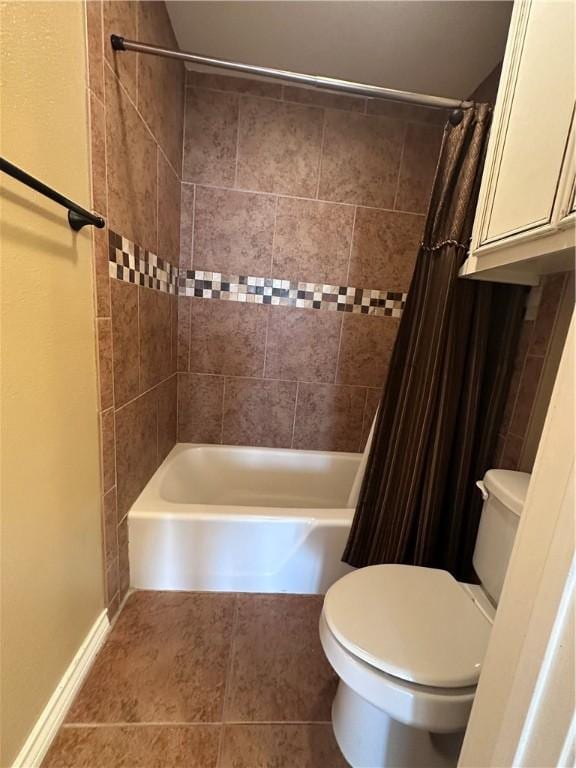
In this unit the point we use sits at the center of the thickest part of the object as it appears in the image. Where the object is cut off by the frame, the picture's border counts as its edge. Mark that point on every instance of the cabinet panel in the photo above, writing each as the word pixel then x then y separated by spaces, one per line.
pixel 535 122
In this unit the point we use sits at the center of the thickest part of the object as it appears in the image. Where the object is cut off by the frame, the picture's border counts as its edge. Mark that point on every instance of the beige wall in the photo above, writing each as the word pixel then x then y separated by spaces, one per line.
pixel 52 582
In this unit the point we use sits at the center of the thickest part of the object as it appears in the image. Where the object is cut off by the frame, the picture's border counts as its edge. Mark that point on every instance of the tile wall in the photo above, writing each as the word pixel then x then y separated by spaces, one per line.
pixel 535 366
pixel 295 189
pixel 260 244
pixel 136 121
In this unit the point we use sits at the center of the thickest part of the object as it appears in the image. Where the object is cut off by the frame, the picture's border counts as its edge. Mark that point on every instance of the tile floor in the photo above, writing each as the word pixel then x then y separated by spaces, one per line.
pixel 205 680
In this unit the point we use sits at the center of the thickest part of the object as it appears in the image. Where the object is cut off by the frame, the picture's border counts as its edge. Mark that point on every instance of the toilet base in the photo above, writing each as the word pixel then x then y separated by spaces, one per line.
pixel 369 738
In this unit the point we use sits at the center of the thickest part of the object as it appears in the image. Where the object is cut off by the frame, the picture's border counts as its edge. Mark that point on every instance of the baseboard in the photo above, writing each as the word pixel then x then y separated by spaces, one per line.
pixel 47 725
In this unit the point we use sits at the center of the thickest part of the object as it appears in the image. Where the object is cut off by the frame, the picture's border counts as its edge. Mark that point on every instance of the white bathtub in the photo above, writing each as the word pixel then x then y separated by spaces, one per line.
pixel 242 520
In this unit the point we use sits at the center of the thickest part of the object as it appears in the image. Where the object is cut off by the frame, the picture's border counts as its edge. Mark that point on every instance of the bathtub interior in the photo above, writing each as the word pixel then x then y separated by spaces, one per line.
pixel 255 477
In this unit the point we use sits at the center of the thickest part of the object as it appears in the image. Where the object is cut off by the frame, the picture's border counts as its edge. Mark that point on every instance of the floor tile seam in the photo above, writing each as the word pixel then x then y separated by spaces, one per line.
pixel 228 678
pixel 191 724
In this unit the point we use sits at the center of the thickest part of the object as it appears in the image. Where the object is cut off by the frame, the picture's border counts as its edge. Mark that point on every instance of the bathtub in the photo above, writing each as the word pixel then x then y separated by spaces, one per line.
pixel 242 520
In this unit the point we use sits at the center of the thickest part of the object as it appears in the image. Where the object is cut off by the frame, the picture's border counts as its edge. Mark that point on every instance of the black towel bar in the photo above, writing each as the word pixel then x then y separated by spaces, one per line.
pixel 78 217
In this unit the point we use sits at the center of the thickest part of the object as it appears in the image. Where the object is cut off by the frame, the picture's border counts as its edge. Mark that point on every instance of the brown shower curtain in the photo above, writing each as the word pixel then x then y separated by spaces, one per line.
pixel 449 373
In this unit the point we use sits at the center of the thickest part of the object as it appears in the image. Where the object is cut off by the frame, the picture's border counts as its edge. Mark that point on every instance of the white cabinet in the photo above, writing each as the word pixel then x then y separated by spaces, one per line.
pixel 524 223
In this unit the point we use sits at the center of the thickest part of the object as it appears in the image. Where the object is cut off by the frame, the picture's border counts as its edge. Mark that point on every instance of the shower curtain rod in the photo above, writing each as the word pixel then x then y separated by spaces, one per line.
pixel 317 81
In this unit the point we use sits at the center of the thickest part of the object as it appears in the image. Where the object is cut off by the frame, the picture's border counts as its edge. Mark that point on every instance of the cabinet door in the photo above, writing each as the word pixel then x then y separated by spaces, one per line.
pixel 532 121
pixel 565 209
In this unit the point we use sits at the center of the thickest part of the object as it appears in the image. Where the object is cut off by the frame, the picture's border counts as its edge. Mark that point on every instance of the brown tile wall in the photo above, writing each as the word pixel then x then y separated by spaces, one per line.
pixel 300 185
pixel 136 121
pixel 526 392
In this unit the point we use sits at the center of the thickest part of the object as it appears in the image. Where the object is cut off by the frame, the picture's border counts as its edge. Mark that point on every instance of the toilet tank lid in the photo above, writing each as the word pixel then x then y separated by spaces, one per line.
pixel 508 487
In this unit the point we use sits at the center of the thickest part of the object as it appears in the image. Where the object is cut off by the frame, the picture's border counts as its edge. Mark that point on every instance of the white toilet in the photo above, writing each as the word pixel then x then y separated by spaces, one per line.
pixel 408 644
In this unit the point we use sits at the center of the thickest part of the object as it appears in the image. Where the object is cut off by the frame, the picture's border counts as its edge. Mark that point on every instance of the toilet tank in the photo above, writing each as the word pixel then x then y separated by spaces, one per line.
pixel 504 494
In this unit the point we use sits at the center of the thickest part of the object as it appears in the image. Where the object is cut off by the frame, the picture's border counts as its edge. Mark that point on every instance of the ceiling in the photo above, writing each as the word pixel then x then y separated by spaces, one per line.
pixel 440 47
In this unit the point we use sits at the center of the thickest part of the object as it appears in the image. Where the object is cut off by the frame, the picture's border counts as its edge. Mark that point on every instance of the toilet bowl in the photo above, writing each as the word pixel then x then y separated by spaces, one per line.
pixel 408 645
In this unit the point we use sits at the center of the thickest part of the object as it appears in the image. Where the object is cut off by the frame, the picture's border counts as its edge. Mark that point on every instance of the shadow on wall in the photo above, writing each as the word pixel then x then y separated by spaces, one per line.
pixel 36 241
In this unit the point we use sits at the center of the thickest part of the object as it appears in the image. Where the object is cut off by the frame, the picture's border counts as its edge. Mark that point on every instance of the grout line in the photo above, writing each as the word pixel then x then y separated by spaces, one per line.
pixel 338 356
pixel 270 274
pixel 223 402
pixel 308 199
pixel 522 371
pixel 193 225
pixel 266 339
pixel 157 199
pixel 178 408
pixel 139 345
pixel 239 101
pixel 140 115
pixel 102 49
pixel 228 674
pixel 120 523
pixel 146 392
pixel 121 605
pixel 157 430
pixel 115 487
pixel 282 98
pixel 230 658
pixel 108 604
pixel 351 244
pixel 323 136
pixel 165 156
pixel 221 729
pixel 105 144
pixel 260 378
pixel 138 56
pixel 295 412
pixel 184 124
pixel 189 724
pixel 173 305
pixel 276 206
pixel 277 722
pixel 400 166
pixel 189 333
pixel 359 448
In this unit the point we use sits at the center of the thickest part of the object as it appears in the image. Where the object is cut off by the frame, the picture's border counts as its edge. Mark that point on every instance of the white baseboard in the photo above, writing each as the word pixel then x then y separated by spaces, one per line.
pixel 47 725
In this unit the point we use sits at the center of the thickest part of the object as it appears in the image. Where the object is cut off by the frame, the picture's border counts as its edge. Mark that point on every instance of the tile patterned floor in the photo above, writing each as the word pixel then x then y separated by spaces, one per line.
pixel 205 680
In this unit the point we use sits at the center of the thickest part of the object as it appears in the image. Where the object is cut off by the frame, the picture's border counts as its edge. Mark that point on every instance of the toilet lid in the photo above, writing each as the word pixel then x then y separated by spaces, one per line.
pixel 417 624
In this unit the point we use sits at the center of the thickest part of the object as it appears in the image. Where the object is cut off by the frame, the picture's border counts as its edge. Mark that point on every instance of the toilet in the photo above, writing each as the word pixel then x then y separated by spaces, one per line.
pixel 408 644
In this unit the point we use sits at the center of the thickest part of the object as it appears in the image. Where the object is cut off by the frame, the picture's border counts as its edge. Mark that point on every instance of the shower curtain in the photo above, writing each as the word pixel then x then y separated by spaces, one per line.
pixel 437 423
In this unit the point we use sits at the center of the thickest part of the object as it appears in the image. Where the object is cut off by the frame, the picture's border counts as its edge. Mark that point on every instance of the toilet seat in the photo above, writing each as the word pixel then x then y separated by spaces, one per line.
pixel 417 625
pixel 436 710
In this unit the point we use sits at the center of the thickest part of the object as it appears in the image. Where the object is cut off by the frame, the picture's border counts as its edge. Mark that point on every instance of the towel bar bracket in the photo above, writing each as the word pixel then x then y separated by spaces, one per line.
pixel 78 217
pixel 78 220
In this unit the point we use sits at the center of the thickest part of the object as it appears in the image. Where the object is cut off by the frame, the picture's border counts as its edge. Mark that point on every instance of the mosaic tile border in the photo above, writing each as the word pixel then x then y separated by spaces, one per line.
pixel 288 293
pixel 132 264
